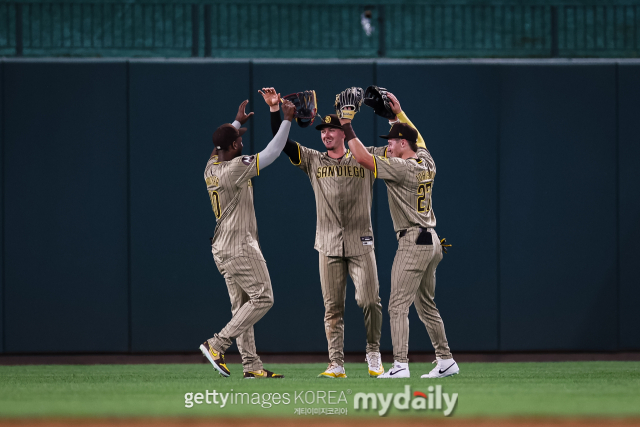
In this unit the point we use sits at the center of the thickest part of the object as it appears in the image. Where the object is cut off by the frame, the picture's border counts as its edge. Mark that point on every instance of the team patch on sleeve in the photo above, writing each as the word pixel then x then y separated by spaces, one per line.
pixel 247 160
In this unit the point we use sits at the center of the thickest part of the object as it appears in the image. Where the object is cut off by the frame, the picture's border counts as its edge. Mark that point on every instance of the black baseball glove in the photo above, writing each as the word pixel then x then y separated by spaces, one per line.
pixel 376 98
pixel 348 102
pixel 306 106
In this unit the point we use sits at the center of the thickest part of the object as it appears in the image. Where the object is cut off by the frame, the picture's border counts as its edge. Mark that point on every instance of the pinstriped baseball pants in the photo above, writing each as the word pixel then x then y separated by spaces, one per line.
pixel 413 281
pixel 251 297
pixel 333 279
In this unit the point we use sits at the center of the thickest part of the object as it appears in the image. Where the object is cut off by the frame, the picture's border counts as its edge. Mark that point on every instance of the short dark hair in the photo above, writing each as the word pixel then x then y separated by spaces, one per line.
pixel 413 145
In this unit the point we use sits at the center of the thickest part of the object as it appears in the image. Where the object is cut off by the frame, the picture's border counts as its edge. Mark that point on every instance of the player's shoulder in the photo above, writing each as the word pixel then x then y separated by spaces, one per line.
pixel 422 151
pixel 377 151
pixel 247 160
pixel 391 160
pixel 306 150
pixel 240 161
pixel 418 162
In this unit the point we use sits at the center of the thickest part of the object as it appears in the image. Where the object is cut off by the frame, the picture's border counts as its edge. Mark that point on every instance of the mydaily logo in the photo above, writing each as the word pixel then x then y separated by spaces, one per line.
pixel 403 401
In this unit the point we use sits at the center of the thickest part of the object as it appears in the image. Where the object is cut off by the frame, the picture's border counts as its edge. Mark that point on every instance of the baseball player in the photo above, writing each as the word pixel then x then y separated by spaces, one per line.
pixel 344 236
pixel 409 172
pixel 235 246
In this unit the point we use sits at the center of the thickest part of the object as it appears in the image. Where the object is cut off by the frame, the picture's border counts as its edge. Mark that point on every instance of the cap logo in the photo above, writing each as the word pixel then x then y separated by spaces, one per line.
pixel 399 134
pixel 327 119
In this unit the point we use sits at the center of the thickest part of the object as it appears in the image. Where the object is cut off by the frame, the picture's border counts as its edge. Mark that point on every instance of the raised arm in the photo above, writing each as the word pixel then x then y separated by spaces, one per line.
pixel 274 148
pixel 347 105
pixel 358 150
pixel 272 98
pixel 241 118
pixel 402 117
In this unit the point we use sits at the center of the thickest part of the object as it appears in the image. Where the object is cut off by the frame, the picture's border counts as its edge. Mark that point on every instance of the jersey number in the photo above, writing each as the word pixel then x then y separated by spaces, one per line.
pixel 423 191
pixel 215 203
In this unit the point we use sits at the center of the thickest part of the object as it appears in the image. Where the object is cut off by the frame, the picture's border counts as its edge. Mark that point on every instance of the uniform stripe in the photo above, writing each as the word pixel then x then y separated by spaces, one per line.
pixel 299 157
pixel 375 166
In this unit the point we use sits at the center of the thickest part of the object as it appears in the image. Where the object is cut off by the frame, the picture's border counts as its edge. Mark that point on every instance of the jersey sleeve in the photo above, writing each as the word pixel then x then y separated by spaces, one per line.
pixel 243 168
pixel 390 168
pixel 378 151
pixel 305 155
pixel 404 119
pixel 425 155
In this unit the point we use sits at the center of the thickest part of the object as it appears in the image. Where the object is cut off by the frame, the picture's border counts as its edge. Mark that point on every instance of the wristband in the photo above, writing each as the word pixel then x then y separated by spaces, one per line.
pixel 349 134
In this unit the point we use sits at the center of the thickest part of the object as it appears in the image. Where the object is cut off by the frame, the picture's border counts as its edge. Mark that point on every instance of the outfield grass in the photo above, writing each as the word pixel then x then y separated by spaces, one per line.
pixel 484 389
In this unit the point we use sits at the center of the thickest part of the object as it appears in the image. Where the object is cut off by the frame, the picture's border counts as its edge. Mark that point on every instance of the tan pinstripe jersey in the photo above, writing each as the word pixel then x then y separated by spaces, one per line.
pixel 343 191
pixel 409 187
pixel 231 195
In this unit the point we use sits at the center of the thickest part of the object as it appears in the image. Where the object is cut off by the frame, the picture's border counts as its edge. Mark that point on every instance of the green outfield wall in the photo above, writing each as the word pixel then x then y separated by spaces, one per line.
pixel 106 220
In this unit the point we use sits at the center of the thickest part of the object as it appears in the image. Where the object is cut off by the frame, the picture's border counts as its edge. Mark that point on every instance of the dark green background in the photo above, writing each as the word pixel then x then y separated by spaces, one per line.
pixel 328 29
pixel 106 220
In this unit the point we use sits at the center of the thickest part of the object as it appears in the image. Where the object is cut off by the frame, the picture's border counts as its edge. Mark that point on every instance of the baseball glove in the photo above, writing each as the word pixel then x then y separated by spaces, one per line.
pixel 306 106
pixel 348 102
pixel 376 98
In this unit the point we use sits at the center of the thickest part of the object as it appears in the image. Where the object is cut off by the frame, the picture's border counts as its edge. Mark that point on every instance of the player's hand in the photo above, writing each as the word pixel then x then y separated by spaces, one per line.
pixel 271 97
pixel 288 109
pixel 242 117
pixel 394 104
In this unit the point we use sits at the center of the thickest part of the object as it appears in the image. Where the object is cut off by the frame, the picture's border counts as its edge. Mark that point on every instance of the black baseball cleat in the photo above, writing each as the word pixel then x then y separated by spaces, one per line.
pixel 216 359
pixel 262 374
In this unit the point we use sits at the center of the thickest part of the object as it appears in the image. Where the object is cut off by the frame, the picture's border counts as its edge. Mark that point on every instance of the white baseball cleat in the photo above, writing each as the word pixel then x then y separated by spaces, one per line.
pixel 444 368
pixel 375 364
pixel 333 371
pixel 399 370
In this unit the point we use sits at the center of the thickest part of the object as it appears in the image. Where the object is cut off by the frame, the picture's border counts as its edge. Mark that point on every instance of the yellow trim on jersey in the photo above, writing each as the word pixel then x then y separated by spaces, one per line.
pixel 375 167
pixel 258 163
pixel 299 157
pixel 404 119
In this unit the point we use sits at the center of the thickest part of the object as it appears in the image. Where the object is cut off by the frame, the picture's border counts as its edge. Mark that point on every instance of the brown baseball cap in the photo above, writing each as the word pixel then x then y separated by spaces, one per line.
pixel 225 135
pixel 330 121
pixel 402 131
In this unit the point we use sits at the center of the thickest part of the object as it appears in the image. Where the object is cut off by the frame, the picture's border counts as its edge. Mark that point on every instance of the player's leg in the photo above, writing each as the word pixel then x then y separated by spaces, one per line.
pixel 409 266
pixel 333 280
pixel 246 341
pixel 214 355
pixel 252 277
pixel 364 273
pixel 430 316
